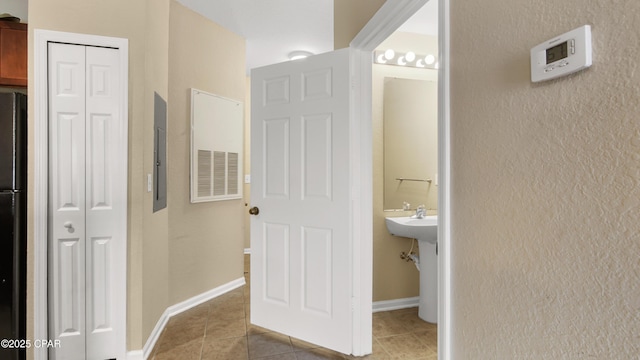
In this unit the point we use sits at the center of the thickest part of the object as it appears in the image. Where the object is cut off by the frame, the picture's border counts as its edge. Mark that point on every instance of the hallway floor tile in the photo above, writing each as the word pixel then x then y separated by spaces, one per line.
pixel 220 329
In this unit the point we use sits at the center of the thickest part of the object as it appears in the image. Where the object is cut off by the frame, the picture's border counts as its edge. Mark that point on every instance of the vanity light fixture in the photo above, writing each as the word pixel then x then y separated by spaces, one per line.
pixel 410 59
pixel 299 54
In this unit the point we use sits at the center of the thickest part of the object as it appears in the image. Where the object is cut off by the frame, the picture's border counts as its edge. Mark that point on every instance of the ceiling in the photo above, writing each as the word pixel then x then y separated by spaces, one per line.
pixel 274 28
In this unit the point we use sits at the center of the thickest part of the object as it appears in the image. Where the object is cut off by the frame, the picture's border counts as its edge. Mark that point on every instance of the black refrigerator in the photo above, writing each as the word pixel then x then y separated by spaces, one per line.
pixel 13 222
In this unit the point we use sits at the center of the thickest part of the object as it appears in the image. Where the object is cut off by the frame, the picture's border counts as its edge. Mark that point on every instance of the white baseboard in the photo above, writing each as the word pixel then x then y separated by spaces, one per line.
pixel 395 304
pixel 135 355
pixel 247 251
pixel 177 309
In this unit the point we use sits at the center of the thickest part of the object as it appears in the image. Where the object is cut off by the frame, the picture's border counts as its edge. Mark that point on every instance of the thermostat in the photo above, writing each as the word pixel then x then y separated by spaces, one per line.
pixel 562 55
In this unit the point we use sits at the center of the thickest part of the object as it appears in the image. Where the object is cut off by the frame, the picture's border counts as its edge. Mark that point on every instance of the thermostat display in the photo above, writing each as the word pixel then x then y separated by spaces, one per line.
pixel 556 53
pixel 562 55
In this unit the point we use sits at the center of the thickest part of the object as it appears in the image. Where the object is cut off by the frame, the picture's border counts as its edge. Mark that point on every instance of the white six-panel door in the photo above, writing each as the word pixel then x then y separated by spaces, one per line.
pixel 87 204
pixel 300 240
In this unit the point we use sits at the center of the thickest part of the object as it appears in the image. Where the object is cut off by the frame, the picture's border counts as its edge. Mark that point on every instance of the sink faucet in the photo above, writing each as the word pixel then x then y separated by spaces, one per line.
pixel 421 212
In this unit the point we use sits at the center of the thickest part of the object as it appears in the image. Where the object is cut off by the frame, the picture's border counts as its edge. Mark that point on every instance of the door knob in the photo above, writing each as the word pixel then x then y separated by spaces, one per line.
pixel 254 210
pixel 68 225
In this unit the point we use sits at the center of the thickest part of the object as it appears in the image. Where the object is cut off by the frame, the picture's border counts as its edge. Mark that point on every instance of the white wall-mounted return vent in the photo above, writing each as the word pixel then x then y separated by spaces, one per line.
pixel 216 147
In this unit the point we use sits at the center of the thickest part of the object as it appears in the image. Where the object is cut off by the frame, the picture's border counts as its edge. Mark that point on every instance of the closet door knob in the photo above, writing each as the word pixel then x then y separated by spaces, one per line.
pixel 68 225
pixel 254 210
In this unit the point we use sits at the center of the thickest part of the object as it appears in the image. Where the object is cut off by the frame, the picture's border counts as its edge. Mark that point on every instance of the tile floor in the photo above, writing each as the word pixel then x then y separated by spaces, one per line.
pixel 220 329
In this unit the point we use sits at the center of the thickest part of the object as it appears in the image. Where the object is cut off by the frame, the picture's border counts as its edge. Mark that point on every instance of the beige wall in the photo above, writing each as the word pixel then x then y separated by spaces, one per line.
pixel 545 184
pixel 393 278
pixel 155 252
pixel 349 17
pixel 206 240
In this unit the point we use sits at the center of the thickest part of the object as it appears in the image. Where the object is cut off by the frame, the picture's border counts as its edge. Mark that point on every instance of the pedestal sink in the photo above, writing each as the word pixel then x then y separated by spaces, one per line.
pixel 425 230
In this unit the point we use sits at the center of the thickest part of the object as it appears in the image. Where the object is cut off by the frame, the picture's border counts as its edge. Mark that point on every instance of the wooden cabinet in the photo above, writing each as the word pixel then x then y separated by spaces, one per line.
pixel 13 54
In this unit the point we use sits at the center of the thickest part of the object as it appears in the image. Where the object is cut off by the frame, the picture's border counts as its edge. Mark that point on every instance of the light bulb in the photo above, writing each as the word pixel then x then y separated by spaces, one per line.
pixel 410 56
pixel 429 59
pixel 381 59
pixel 401 61
pixel 436 66
pixel 389 54
pixel 419 63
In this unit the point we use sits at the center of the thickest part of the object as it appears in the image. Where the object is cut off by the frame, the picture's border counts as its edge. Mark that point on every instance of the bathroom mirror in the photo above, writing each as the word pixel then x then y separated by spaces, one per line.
pixel 410 143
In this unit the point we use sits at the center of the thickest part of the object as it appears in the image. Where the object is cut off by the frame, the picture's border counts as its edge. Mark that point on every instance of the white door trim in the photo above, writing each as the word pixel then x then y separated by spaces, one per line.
pixel 360 157
pixel 389 17
pixel 445 255
pixel 40 101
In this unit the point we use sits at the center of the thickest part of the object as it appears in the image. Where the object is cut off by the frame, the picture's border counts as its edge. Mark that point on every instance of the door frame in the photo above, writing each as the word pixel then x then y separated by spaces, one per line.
pixel 389 17
pixel 41 171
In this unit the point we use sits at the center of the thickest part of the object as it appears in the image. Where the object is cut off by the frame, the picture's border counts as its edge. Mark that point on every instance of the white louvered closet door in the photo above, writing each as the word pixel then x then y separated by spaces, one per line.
pixel 86 203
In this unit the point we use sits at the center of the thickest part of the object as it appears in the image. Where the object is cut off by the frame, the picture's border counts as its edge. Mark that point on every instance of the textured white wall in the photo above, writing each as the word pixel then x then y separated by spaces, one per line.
pixel 545 184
